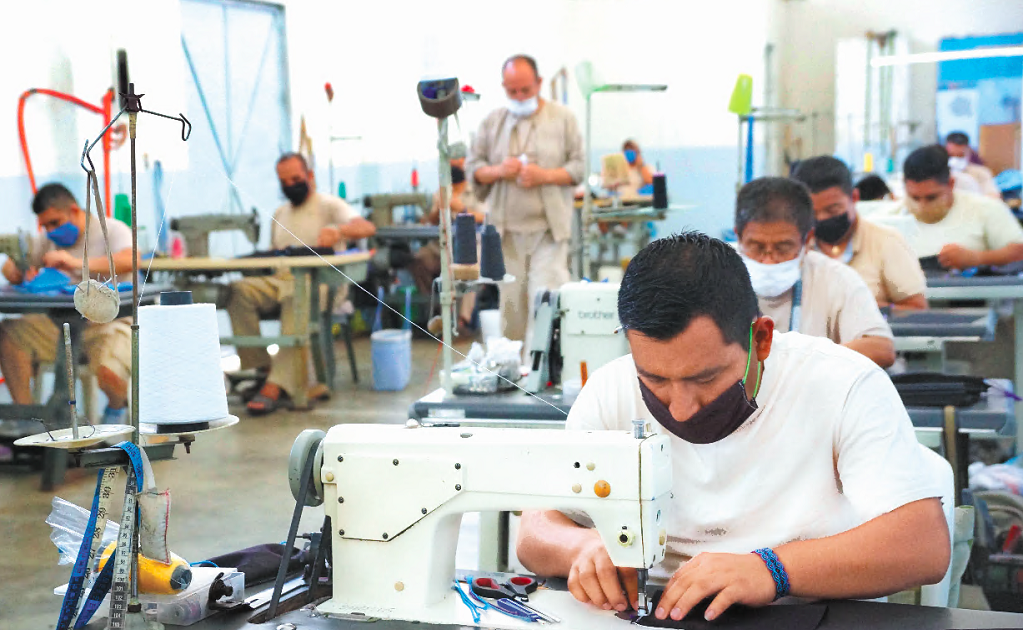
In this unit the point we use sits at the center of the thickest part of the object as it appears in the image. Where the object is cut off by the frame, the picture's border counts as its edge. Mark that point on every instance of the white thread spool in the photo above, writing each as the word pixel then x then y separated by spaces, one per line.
pixel 180 379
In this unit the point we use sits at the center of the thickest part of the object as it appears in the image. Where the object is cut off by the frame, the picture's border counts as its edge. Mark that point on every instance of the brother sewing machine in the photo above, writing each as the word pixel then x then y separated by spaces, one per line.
pixel 395 498
pixel 383 205
pixel 16 248
pixel 197 229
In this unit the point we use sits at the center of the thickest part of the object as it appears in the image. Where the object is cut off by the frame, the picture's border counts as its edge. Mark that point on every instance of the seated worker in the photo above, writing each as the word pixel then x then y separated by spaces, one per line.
pixel 873 188
pixel 309 218
pixel 640 173
pixel 962 229
pixel 425 267
pixel 957 144
pixel 879 254
pixel 804 290
pixel 32 339
pixel 782 444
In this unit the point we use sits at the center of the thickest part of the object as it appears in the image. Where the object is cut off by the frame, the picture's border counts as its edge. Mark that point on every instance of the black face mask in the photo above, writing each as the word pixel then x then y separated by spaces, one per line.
pixel 832 230
pixel 296 193
pixel 713 422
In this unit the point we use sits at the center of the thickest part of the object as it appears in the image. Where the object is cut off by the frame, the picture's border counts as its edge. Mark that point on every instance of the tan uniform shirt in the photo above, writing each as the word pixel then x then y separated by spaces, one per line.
pixel 885 262
pixel 550 139
pixel 974 222
pixel 304 222
pixel 120 239
pixel 836 303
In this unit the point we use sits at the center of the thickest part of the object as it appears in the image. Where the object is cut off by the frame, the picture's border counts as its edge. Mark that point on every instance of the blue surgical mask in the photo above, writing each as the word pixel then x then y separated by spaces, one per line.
pixel 522 109
pixel 630 156
pixel 64 235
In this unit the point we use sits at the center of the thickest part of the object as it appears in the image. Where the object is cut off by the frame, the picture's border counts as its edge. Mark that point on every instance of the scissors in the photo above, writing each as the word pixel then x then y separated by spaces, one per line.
pixel 516 589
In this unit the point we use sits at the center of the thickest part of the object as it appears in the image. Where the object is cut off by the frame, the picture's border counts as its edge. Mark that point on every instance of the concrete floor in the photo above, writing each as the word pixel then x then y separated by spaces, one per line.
pixel 231 492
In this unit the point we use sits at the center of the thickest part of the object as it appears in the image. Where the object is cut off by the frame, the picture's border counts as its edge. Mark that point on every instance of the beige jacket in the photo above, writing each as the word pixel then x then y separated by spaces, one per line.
pixel 559 144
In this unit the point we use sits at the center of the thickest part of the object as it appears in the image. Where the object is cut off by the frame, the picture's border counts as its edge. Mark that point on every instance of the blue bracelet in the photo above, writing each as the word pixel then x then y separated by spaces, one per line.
pixel 781 578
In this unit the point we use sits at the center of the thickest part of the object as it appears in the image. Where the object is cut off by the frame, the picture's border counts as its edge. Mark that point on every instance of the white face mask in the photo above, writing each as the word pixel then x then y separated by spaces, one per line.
pixel 958 164
pixel 770 281
pixel 521 109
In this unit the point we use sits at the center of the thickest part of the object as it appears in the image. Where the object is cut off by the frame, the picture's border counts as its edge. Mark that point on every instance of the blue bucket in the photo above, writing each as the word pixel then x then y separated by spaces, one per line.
pixel 391 350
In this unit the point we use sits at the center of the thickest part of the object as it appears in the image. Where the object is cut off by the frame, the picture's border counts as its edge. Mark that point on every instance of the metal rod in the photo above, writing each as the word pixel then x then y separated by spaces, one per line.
pixel 70 380
pixel 584 223
pixel 132 118
pixel 446 281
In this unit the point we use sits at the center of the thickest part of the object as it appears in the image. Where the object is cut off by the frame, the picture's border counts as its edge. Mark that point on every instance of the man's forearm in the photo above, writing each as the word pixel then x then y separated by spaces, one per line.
pixel 357 228
pixel 11 272
pixel 487 174
pixel 549 542
pixel 880 350
pixel 903 549
pixel 1008 254
pixel 100 264
pixel 917 301
pixel 558 177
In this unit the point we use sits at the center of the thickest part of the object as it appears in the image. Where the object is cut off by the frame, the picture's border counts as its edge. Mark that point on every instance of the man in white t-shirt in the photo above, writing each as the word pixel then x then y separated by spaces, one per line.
pixel 962 229
pixel 785 448
pixel 804 290
pixel 308 219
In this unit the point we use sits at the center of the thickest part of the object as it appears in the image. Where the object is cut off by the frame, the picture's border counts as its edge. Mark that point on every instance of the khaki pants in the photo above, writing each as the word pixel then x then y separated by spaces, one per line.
pixel 106 345
pixel 538 262
pixel 253 298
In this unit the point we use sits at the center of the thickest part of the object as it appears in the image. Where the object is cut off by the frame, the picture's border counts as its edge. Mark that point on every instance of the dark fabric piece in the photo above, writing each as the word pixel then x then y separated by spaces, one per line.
pixel 260 563
pixel 931 389
pixel 779 617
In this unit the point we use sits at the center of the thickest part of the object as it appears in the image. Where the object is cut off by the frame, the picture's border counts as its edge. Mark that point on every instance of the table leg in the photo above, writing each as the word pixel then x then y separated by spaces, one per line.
pixel 1017 383
pixel 301 306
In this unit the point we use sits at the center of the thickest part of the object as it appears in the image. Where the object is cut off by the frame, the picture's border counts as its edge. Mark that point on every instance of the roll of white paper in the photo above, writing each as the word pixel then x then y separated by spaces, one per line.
pixel 180 378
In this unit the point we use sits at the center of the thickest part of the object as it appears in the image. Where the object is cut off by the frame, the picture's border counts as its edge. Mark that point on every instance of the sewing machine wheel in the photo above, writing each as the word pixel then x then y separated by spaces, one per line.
pixel 308 447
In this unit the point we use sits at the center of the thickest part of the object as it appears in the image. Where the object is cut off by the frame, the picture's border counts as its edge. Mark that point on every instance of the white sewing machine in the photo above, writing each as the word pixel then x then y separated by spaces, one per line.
pixel 396 496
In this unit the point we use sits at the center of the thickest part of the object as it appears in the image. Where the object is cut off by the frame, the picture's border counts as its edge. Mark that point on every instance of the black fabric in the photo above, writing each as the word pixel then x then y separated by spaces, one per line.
pixel 260 563
pixel 292 251
pixel 931 389
pixel 932 267
pixel 777 617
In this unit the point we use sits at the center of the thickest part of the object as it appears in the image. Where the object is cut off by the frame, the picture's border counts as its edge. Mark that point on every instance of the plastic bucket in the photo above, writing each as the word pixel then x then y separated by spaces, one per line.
pixel 391 350
pixel 392 359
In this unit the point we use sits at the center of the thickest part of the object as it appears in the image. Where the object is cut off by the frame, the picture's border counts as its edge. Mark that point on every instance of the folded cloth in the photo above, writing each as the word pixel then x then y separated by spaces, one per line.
pixel 260 563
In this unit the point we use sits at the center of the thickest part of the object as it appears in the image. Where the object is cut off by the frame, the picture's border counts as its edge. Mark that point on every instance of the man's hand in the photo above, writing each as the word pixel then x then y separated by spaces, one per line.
pixel 329 236
pixel 593 579
pixel 30 274
pixel 510 168
pixel 727 577
pixel 954 256
pixel 532 175
pixel 60 259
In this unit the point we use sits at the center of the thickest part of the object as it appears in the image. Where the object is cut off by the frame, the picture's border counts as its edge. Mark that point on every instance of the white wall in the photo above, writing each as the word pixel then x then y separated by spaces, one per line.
pixel 812 28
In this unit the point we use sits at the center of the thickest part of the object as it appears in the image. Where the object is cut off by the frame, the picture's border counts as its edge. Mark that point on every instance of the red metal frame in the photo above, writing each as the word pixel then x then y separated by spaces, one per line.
pixel 105 109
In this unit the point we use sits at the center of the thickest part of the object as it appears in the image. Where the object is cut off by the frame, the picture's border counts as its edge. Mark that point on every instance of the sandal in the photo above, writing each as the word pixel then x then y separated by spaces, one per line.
pixel 318 392
pixel 269 399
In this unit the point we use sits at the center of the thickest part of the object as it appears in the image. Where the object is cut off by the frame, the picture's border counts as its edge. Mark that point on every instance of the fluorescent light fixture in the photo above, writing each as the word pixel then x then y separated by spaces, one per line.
pixel 948 55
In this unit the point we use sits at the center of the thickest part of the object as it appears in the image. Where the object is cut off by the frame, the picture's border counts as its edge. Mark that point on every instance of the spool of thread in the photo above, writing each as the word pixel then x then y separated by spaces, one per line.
pixel 180 378
pixel 491 255
pixel 660 192
pixel 465 239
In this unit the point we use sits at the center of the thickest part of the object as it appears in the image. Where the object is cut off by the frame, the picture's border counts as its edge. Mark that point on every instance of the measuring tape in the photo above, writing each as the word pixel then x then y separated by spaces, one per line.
pixel 119 591
pixel 93 536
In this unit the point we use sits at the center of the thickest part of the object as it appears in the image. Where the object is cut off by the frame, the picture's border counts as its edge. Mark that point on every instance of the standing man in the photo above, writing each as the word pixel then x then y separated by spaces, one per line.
pixel 879 254
pixel 524 162
pixel 308 218
pixel 27 341
pixel 801 290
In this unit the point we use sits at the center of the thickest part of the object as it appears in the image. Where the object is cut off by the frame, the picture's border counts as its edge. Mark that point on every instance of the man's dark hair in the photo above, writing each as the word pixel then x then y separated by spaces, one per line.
pixel 926 163
pixel 52 196
pixel 457 174
pixel 774 199
pixel 630 144
pixel 872 187
pixel 292 155
pixel 676 279
pixel 824 172
pixel 958 138
pixel 529 60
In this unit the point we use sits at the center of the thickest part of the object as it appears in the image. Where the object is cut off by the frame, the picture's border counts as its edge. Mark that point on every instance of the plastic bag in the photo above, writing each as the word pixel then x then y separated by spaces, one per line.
pixel 1001 477
pixel 485 372
pixel 68 522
